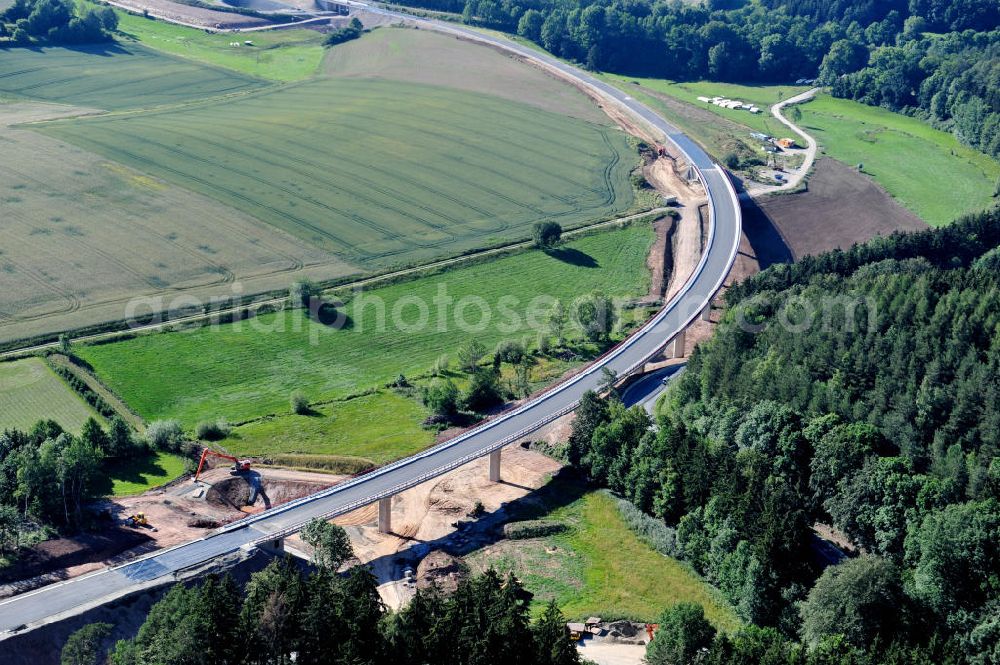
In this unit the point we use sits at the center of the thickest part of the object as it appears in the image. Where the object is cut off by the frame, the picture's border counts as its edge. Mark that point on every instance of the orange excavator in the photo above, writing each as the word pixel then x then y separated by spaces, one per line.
pixel 239 466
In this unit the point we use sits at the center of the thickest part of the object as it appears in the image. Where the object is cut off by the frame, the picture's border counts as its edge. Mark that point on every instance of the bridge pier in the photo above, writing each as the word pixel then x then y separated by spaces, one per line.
pixel 275 547
pixel 677 345
pixel 385 515
pixel 706 314
pixel 495 466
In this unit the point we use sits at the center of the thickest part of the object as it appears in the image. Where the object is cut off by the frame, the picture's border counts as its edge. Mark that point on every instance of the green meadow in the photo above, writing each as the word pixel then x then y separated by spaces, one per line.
pixel 30 391
pixel 277 55
pixel 926 170
pixel 248 369
pixel 113 76
pixel 597 566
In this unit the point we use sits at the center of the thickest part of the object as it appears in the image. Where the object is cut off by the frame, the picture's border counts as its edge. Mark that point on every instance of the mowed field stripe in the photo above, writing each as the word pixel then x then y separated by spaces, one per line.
pixel 30 391
pixel 114 76
pixel 378 172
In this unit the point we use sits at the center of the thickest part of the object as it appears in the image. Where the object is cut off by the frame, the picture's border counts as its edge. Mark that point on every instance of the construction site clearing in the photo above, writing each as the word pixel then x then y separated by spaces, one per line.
pixel 429 517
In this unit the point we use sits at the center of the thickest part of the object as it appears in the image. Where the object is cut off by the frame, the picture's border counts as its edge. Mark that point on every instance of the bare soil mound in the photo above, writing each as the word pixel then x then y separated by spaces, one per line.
pixel 840 208
pixel 229 493
pixel 441 569
pixel 235 492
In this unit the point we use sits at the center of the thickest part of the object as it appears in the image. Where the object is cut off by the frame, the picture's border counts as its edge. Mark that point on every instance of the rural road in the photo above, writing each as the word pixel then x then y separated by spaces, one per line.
pixel 70 596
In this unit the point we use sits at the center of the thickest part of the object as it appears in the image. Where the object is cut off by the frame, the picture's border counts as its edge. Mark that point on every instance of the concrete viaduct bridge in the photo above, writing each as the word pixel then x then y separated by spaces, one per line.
pixel 268 529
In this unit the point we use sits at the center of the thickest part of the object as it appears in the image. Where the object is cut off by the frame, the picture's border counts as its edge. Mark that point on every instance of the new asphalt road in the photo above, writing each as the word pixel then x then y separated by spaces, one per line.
pixel 63 598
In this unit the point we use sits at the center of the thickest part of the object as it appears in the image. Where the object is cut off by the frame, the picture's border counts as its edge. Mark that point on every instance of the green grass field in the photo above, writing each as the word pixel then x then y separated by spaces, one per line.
pixel 926 170
pixel 113 76
pixel 246 370
pixel 599 566
pixel 381 173
pixel 380 427
pixel 279 55
pixel 30 391
pixel 137 476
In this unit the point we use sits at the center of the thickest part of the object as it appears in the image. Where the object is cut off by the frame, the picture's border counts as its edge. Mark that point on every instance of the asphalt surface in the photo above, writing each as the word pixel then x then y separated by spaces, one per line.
pixel 645 391
pixel 64 598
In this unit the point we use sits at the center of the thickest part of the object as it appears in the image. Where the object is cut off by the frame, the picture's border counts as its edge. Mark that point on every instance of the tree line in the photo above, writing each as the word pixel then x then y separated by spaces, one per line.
pixel 934 59
pixel 286 614
pixel 55 22
pixel 591 318
pixel 48 475
pixel 881 418
pixel 949 80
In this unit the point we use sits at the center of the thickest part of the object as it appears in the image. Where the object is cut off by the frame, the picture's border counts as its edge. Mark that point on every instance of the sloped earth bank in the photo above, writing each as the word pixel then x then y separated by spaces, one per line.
pixel 43 645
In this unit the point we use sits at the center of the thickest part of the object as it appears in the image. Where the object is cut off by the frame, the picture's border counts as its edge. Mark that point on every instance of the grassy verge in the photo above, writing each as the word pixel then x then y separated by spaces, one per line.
pixel 136 476
pixel 926 170
pixel 598 566
pixel 248 369
pixel 276 55
pixel 380 427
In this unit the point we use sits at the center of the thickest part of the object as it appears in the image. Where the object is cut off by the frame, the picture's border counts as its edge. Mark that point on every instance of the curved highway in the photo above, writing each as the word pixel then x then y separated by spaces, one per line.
pixel 63 598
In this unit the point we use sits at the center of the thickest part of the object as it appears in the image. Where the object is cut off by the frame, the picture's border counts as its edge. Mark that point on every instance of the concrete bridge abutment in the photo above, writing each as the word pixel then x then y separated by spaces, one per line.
pixel 385 515
pixel 495 466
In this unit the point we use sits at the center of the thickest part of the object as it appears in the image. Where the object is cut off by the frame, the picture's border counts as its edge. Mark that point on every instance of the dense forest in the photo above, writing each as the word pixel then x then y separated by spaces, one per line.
pixel 936 59
pixel 858 389
pixel 285 615
pixel 55 22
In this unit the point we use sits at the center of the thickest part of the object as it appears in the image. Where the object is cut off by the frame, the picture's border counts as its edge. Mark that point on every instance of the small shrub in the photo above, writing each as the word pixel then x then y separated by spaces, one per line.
pixel 470 355
pixel 441 365
pixel 299 403
pixel 302 293
pixel 400 382
pixel 441 397
pixel 544 344
pixel 510 351
pixel 639 180
pixel 483 392
pixel 546 234
pixel 165 434
pixel 478 510
pixel 532 529
pixel 208 430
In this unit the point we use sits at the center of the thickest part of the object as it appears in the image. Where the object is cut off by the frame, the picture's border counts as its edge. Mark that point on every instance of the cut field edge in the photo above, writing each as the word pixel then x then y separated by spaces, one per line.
pixel 250 304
